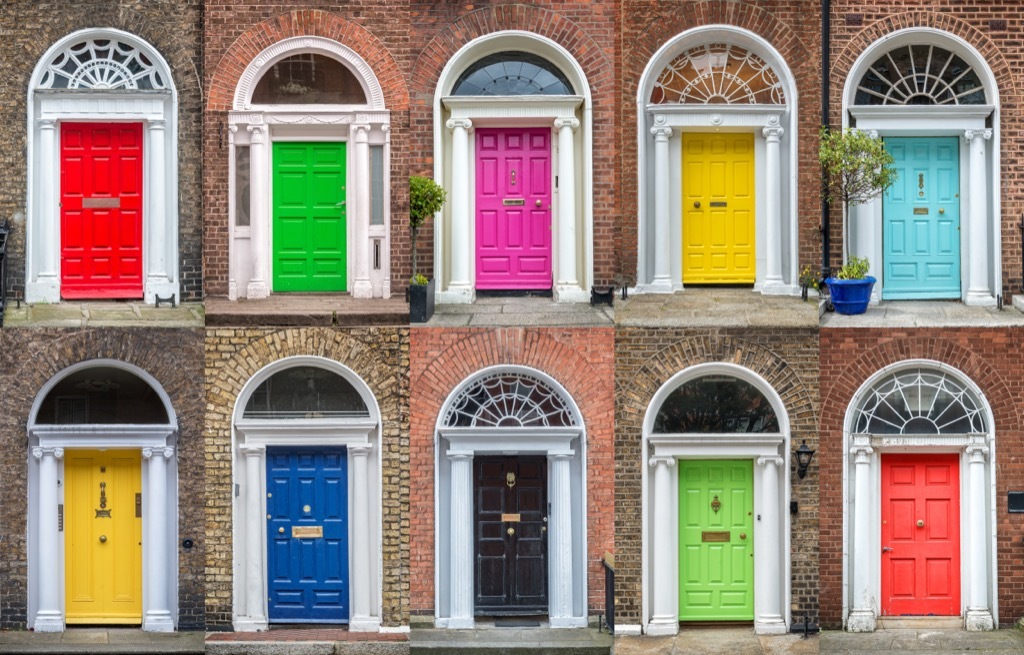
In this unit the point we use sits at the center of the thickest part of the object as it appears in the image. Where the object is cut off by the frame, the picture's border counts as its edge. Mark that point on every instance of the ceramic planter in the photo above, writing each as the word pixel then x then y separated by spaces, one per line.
pixel 850 296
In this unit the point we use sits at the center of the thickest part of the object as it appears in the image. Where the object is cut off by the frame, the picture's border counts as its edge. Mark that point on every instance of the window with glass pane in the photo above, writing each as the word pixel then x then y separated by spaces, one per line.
pixel 512 74
pixel 376 185
pixel 308 79
pixel 919 401
pixel 920 75
pixel 305 392
pixel 102 395
pixel 720 404
pixel 242 173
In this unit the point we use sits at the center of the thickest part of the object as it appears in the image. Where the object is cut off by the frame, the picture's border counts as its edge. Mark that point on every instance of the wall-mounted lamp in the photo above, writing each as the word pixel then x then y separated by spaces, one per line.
pixel 804 454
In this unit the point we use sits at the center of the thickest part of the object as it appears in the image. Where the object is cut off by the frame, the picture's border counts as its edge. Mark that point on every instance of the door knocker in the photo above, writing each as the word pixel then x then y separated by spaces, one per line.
pixel 103 495
pixel 716 505
pixel 513 183
pixel 920 185
pixel 510 479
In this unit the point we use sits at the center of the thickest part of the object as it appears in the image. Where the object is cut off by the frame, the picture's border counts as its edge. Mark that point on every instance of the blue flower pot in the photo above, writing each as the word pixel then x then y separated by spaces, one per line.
pixel 850 296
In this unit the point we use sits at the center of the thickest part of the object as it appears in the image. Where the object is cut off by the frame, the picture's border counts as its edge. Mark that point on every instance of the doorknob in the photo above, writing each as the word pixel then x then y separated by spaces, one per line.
pixel 696 204
pixel 103 538
pixel 743 535
pixel 511 531
pixel 920 523
pixel 539 202
pixel 942 210
pixel 886 549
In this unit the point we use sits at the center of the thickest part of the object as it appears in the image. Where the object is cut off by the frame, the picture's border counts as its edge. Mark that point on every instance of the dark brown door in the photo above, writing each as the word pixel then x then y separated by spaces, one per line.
pixel 511 535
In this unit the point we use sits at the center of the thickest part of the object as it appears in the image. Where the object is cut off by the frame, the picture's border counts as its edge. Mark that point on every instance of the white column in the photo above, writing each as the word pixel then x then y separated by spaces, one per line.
pixel 255 532
pixel 385 255
pixel 233 214
pixel 50 615
pixel 862 614
pixel 157 617
pixel 159 242
pixel 664 584
pixel 460 287
pixel 43 284
pixel 560 541
pixel 259 213
pixel 662 281
pixel 768 565
pixel 360 248
pixel 773 282
pixel 978 292
pixel 567 286
pixel 361 575
pixel 979 613
pixel 461 517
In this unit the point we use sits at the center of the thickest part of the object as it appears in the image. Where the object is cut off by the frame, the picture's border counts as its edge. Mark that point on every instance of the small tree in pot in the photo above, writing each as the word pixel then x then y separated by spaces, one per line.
pixel 426 198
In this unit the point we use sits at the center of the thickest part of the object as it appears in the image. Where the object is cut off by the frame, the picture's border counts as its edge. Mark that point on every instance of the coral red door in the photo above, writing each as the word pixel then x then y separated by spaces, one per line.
pixel 920 535
pixel 101 210
pixel 513 209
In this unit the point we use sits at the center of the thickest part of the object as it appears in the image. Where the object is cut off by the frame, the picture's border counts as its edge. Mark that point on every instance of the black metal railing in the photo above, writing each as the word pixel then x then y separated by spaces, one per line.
pixel 608 562
pixel 5 231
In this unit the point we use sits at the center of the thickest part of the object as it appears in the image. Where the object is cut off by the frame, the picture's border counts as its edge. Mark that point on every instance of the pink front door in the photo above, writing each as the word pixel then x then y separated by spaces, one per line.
pixel 513 208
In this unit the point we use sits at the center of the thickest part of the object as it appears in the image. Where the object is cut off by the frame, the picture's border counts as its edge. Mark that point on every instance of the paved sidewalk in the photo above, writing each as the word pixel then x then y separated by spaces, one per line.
pixel 923 642
pixel 113 313
pixel 280 310
pixel 509 641
pixel 716 307
pixel 86 641
pixel 517 311
pixel 307 641
pixel 926 313
pixel 717 641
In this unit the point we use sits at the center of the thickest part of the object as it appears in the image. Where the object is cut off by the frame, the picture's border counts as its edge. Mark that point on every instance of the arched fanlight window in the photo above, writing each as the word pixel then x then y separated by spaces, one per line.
pixel 510 400
pixel 920 75
pixel 512 74
pixel 305 392
pixel 102 395
pixel 102 64
pixel 716 403
pixel 308 78
pixel 718 74
pixel 919 401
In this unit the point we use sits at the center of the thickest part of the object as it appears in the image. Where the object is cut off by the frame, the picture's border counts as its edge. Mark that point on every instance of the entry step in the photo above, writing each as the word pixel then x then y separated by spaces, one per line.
pixel 510 641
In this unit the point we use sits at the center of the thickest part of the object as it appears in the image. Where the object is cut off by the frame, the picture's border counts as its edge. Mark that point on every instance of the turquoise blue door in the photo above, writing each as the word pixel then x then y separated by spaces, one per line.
pixel 921 220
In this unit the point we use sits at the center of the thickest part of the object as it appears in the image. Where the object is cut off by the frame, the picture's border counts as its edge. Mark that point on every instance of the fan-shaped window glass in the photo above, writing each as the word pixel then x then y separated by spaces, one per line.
pixel 512 74
pixel 920 75
pixel 718 74
pixel 716 403
pixel 509 400
pixel 919 401
pixel 102 395
pixel 102 64
pixel 307 79
pixel 305 392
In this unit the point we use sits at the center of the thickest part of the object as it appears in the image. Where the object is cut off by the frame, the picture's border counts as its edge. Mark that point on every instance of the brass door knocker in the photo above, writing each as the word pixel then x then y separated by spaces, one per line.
pixel 510 479
pixel 103 495
pixel 716 505
pixel 513 183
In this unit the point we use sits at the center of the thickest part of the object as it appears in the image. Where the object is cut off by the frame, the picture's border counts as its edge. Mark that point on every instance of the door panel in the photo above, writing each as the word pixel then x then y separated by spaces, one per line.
pixel 513 208
pixel 310 240
pixel 921 220
pixel 103 537
pixel 920 562
pixel 307 535
pixel 716 547
pixel 101 210
pixel 718 208
pixel 511 569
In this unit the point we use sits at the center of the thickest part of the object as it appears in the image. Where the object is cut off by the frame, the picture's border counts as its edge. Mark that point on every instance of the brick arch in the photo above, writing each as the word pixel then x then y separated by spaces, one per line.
pixel 306 23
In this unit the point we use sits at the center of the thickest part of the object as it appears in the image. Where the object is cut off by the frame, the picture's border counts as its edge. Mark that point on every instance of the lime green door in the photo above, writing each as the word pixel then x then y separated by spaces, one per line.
pixel 716 540
pixel 309 217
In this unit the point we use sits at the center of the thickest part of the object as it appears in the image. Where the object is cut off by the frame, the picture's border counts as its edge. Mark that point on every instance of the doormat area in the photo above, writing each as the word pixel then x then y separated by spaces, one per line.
pixel 515 622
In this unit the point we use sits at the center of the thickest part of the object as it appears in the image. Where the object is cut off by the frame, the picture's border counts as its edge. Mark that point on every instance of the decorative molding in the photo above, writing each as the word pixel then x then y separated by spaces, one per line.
pixel 166 452
pixel 661 132
pixel 572 123
pixel 653 462
pixel 115 64
pixel 772 133
pixel 510 399
pixel 970 135
pixel 773 460
pixel 718 73
pixel 39 452
pixel 459 123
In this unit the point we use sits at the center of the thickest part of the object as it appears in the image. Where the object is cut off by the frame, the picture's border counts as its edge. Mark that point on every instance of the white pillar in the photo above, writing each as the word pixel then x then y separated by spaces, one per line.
pixel 255 580
pixel 362 577
pixel 560 541
pixel 50 615
pixel 567 286
pixel 159 243
pixel 158 614
pixel 233 213
pixel 461 517
pixel 768 565
pixel 460 287
pixel 773 282
pixel 662 281
pixel 664 585
pixel 978 292
pixel 979 613
pixel 259 213
pixel 862 614
pixel 43 284
pixel 360 248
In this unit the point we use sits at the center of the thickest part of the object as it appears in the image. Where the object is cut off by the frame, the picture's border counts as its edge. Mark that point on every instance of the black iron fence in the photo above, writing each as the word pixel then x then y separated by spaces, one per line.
pixel 608 562
pixel 5 232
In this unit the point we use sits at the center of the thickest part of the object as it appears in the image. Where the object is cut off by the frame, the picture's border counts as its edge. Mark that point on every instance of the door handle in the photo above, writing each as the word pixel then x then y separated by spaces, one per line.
pixel 920 523
pixel 886 549
pixel 539 203
pixel 103 538
pixel 743 535
pixel 511 531
pixel 942 210
pixel 696 204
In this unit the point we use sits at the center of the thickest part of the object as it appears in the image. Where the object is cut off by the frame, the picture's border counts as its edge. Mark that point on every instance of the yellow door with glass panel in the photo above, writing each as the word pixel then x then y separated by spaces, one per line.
pixel 718 208
pixel 103 536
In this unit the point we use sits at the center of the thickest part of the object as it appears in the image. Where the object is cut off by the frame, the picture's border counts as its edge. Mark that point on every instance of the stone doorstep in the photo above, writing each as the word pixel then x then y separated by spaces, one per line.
pixel 509 641
pixel 303 641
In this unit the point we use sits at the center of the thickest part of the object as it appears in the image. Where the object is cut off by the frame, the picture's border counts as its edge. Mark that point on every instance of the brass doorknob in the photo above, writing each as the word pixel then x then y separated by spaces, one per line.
pixel 281 530
pixel 920 523
pixel 103 538
pixel 696 204
pixel 942 210
pixel 743 535
pixel 538 202
pixel 511 531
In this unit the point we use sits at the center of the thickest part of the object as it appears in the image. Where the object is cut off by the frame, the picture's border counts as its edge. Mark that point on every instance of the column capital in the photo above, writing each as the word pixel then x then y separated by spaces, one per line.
pixel 46 123
pixel 661 132
pixel 970 135
pixel 361 450
pixel 165 452
pixel 39 452
pixel 361 132
pixel 977 453
pixel 661 459
pixel 257 132
pixel 386 129
pixel 252 450
pixel 774 460
pixel 156 124
pixel 773 133
pixel 571 123
pixel 561 456
pixel 862 453
pixel 456 123
pixel 460 455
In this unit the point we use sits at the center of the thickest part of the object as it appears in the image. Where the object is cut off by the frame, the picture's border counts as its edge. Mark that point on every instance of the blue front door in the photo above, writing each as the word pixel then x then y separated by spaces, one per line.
pixel 921 219
pixel 307 535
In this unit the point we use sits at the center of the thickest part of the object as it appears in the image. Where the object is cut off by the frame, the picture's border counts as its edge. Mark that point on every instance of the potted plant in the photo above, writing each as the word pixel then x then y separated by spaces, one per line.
pixel 857 168
pixel 426 198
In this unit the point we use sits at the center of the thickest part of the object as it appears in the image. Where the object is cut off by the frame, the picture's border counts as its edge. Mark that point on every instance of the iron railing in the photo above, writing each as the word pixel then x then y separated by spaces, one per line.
pixel 608 562
pixel 5 231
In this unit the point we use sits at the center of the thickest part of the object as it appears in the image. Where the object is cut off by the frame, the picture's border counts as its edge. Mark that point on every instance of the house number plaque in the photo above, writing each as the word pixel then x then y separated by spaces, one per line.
pixel 716 537
pixel 307 532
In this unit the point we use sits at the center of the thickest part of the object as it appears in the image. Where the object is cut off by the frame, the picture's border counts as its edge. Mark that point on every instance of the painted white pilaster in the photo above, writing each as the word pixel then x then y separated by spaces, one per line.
pixel 233 213
pixel 255 532
pixel 460 287
pixel 560 541
pixel 45 287
pixel 158 616
pixel 768 582
pixel 361 575
pixel 50 615
pixel 259 213
pixel 862 614
pixel 567 286
pixel 160 244
pixel 664 615
pixel 662 282
pixel 361 288
pixel 461 540
pixel 978 292
pixel 979 613
pixel 773 282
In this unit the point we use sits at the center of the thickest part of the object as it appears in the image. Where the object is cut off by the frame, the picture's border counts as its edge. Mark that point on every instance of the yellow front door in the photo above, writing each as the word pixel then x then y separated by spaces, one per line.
pixel 718 208
pixel 103 536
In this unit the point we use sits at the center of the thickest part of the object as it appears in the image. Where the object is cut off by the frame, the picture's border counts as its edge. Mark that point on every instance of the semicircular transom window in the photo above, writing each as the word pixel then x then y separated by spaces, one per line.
pixel 510 400
pixel 719 404
pixel 102 64
pixel 920 75
pixel 718 74
pixel 919 401
pixel 102 395
pixel 304 392
pixel 306 79
pixel 512 74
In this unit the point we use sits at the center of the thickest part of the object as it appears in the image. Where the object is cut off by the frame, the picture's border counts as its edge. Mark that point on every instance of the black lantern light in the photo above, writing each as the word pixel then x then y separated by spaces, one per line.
pixel 804 454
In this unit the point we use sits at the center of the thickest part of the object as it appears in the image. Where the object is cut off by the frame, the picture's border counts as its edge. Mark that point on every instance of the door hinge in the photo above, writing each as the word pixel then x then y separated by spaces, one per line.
pixel 60 517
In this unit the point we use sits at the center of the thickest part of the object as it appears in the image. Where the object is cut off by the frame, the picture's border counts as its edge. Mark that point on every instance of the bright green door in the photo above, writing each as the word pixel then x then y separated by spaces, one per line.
pixel 309 217
pixel 716 540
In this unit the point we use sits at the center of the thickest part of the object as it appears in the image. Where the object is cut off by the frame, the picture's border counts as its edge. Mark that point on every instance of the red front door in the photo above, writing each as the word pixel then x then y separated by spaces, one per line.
pixel 101 210
pixel 920 535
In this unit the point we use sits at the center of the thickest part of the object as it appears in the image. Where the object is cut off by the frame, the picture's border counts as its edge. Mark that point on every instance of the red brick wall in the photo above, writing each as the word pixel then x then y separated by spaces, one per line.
pixel 582 360
pixel 993 359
